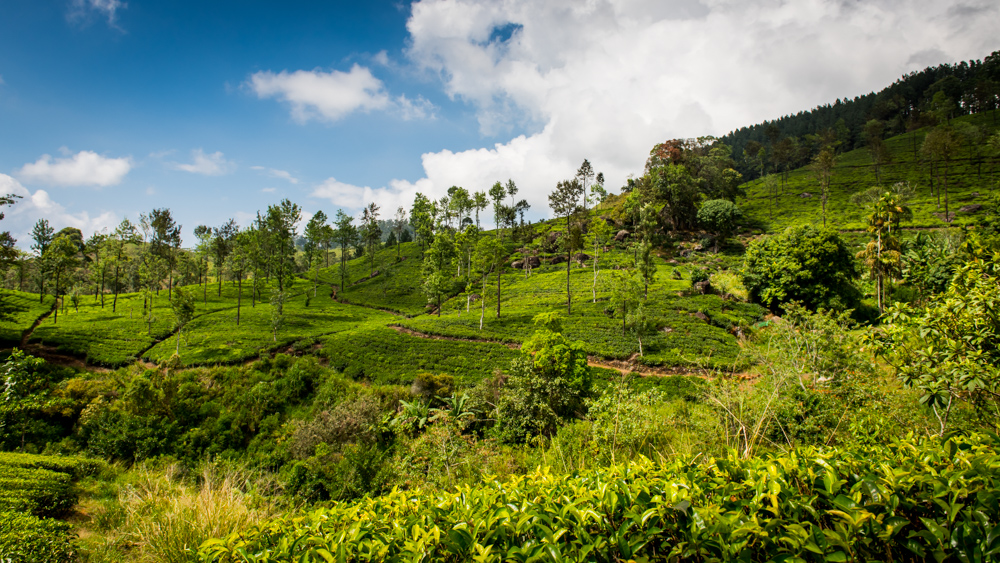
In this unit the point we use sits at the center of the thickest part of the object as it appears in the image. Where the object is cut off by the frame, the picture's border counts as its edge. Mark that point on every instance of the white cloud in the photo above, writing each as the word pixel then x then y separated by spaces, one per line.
pixel 269 190
pixel 214 164
pixel 80 10
pixel 330 96
pixel 85 168
pixel 275 173
pixel 607 79
pixel 32 206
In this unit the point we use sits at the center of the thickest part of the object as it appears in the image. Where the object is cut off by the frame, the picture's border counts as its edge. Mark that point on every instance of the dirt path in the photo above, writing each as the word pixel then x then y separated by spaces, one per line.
pixel 26 335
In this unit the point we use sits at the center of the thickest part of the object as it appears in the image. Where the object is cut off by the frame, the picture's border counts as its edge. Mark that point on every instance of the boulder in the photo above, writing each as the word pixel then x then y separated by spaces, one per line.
pixel 581 257
pixel 805 194
pixel 672 262
pixel 974 208
pixel 557 259
pixel 534 262
pixel 517 264
pixel 622 235
pixel 703 287
pixel 702 316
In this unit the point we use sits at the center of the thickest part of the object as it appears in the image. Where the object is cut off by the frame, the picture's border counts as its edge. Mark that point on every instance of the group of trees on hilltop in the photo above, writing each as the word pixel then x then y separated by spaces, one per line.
pixel 916 100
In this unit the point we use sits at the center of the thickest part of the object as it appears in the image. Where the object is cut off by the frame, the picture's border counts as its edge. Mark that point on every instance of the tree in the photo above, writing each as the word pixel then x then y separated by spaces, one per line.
pixel 204 250
pixel 222 245
pixel 182 304
pixel 488 257
pixel 95 247
pixel 675 188
pixel 371 233
pixel 626 292
pixel 547 385
pixel 422 219
pixel 281 222
pixel 240 260
pixel 950 348
pixel 61 258
pixel 166 242
pixel 877 149
pixel 823 166
pixel 24 393
pixel 398 226
pixel 812 266
pixel 437 269
pixel 563 202
pixel 597 189
pixel 600 233
pixel 719 216
pixel 316 232
pixel 124 235
pixel 345 234
pixel 479 202
pixel 939 147
pixel 584 174
pixel 42 235
pixel 497 194
pixel 882 255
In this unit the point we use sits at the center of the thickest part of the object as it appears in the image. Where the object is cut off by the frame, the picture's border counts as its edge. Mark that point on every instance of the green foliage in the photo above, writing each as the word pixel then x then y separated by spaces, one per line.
pixel 24 537
pixel 546 386
pixel 803 264
pixel 20 310
pixel 950 348
pixel 719 216
pixel 908 500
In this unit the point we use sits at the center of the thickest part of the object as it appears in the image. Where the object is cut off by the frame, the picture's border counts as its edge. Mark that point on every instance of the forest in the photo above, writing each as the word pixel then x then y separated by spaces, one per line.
pixel 778 345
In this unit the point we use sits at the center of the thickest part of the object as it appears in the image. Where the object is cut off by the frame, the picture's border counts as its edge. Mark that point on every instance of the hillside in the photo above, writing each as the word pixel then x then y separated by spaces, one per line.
pixel 972 179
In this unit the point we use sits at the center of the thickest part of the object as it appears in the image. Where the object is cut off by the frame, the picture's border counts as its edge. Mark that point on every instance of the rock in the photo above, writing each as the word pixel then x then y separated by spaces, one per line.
pixel 622 235
pixel 703 287
pixel 974 194
pixel 672 262
pixel 557 259
pixel 581 257
pixel 517 264
pixel 974 208
pixel 805 194
pixel 702 316
pixel 552 238
pixel 667 329
pixel 534 262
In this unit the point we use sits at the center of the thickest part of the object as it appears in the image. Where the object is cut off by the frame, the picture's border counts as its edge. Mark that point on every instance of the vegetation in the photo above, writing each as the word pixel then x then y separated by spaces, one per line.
pixel 612 384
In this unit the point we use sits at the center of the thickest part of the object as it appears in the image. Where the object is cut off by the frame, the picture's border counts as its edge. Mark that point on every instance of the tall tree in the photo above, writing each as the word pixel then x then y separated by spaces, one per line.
pixel 480 202
pixel 438 277
pixel 96 246
pixel 823 166
pixel 497 194
pixel 166 241
pixel 345 234
pixel 124 235
pixel 600 233
pixel 940 146
pixel 240 260
pixel 398 226
pixel 563 202
pixel 182 304
pixel 488 257
pixel 882 255
pixel 877 149
pixel 61 258
pixel 315 232
pixel 584 174
pixel 42 235
pixel 204 249
pixel 422 219
pixel 371 233
pixel 281 222
pixel 222 245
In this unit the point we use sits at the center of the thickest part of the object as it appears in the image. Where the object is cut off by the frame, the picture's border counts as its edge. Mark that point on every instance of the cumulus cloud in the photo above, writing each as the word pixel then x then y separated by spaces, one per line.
pixel 214 164
pixel 330 96
pixel 275 173
pixel 605 80
pixel 82 10
pixel 85 168
pixel 32 206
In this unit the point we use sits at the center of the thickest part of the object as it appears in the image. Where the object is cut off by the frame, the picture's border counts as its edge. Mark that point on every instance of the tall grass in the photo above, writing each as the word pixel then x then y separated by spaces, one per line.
pixel 161 516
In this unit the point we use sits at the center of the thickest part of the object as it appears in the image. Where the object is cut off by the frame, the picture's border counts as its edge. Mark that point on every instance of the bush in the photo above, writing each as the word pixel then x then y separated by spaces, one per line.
pixel 26 538
pixel 805 264
pixel 910 500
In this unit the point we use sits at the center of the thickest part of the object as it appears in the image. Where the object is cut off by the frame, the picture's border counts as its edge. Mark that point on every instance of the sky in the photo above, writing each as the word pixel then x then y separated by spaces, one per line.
pixel 217 109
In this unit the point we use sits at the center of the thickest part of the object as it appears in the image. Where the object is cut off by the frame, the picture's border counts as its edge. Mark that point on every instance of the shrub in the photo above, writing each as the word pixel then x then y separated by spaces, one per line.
pixel 805 264
pixel 39 540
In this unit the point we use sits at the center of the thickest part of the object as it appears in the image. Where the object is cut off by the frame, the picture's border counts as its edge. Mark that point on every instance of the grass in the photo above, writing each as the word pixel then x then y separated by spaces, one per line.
pixel 854 173
pixel 689 340
pixel 215 338
pixel 23 309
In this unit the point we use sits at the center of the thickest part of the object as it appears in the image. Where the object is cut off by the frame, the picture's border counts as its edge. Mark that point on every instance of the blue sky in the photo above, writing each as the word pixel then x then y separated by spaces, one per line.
pixel 216 109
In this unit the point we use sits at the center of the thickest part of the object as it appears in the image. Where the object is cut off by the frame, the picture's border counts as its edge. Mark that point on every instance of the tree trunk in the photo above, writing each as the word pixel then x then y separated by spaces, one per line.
pixel 482 298
pixel 569 261
pixel 239 298
pixel 114 303
pixel 499 265
pixel 594 288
